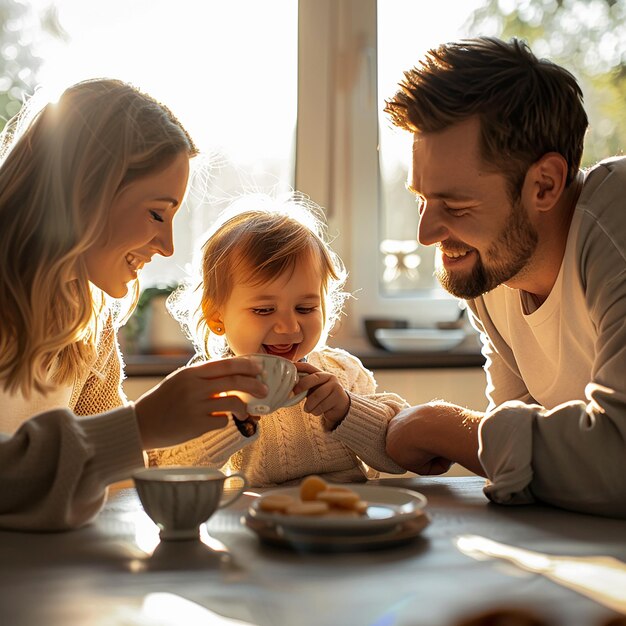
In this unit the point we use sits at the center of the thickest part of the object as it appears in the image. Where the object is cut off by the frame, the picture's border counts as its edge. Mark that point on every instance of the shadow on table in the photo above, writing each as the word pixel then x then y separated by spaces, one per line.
pixel 384 554
pixel 561 523
pixel 186 555
pixel 522 617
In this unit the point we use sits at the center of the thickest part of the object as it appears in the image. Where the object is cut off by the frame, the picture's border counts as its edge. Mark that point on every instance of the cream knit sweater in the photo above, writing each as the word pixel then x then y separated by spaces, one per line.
pixel 55 469
pixel 290 444
pixel 96 390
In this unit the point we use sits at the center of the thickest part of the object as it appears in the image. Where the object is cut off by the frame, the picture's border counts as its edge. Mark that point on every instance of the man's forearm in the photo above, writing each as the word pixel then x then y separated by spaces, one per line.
pixel 455 435
pixel 423 437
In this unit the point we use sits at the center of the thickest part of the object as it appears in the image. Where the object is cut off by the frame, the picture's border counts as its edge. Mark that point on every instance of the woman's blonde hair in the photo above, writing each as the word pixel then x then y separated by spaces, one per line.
pixel 258 238
pixel 60 168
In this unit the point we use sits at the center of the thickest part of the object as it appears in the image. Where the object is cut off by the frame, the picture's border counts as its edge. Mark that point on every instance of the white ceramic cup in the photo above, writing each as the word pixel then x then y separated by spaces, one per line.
pixel 280 375
pixel 179 499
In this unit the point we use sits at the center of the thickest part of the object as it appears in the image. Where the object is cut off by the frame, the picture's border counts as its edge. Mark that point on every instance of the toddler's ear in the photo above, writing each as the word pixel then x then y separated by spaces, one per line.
pixel 216 324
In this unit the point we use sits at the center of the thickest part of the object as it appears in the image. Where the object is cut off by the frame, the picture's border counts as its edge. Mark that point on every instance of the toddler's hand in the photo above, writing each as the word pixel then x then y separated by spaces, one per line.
pixel 326 397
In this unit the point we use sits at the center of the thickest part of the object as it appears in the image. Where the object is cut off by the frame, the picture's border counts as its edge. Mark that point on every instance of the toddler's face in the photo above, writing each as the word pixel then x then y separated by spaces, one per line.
pixel 282 317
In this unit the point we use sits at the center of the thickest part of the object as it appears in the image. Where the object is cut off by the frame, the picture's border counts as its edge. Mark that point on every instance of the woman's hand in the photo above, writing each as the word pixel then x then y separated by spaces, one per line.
pixel 194 400
pixel 326 397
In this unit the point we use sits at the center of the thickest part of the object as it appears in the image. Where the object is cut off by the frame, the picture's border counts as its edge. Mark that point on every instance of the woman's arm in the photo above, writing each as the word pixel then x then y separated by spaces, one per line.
pixel 55 469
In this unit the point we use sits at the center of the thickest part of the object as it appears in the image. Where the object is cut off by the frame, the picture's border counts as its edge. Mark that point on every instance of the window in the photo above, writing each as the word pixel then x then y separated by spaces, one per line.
pixel 350 159
pixel 358 169
pixel 228 70
pixel 405 32
pixel 288 93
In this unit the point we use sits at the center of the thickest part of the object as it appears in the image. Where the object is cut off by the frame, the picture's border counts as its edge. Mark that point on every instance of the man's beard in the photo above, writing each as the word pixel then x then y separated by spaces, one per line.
pixel 507 257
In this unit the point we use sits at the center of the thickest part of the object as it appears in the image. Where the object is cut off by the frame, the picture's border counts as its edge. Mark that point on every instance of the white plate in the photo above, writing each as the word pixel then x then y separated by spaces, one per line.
pixel 419 339
pixel 303 541
pixel 387 508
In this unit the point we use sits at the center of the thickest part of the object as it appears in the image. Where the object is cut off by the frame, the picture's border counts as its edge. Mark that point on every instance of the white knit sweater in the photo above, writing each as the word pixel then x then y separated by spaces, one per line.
pixel 290 444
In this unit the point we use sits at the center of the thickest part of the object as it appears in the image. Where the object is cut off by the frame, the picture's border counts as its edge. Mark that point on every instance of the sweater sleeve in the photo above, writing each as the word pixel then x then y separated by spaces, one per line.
pixel 55 469
pixel 213 449
pixel 364 429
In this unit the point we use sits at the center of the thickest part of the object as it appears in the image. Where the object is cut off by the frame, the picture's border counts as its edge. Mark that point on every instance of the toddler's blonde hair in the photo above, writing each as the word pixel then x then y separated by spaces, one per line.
pixel 258 238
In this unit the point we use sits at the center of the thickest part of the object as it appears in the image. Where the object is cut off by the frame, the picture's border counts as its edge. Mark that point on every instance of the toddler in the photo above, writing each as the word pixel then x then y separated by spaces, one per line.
pixel 271 284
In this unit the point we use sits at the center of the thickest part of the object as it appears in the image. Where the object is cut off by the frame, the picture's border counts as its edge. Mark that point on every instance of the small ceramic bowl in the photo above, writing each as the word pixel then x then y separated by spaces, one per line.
pixel 179 499
pixel 373 324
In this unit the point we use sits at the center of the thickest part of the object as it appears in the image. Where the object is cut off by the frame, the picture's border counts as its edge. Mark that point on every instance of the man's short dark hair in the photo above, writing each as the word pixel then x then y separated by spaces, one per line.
pixel 527 106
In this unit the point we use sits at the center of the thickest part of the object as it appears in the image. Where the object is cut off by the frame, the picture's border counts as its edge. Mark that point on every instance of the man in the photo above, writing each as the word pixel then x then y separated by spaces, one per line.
pixel 537 247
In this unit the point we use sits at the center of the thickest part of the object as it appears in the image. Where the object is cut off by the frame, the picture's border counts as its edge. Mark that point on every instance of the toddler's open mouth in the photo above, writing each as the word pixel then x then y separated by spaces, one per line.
pixel 287 351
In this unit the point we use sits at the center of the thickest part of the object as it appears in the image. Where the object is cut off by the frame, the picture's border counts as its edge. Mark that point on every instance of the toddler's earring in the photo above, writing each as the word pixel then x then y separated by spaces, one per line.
pixel 216 327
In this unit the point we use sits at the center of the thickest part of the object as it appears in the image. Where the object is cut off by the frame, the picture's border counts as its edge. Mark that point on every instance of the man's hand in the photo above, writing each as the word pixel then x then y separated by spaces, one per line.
pixel 429 438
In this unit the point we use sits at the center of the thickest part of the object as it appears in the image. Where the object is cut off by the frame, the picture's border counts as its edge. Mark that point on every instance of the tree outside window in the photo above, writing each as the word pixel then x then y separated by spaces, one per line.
pixel 21 28
pixel 589 39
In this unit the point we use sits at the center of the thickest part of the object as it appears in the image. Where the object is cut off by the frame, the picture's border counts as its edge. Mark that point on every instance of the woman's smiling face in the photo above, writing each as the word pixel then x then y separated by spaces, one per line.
pixel 282 316
pixel 140 226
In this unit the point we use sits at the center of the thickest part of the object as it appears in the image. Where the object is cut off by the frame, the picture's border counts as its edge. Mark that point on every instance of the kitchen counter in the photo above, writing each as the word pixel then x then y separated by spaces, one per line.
pixel 467 354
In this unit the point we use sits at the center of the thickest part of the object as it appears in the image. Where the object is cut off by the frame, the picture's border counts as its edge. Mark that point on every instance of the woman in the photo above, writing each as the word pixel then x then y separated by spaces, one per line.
pixel 89 187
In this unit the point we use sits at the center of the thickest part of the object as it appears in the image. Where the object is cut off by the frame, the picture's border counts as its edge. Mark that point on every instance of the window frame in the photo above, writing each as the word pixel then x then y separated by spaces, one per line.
pixel 337 161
